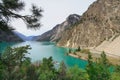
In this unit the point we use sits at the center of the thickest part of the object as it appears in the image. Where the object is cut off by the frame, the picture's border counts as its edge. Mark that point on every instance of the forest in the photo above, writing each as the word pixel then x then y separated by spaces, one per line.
pixel 15 65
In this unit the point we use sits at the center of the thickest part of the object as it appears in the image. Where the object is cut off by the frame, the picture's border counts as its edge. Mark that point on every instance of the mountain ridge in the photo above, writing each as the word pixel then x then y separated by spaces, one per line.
pixel 99 23
pixel 23 37
pixel 9 36
pixel 54 34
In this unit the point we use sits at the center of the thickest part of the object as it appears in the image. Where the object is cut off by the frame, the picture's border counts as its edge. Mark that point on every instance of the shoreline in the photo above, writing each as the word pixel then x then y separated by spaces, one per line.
pixel 113 60
pixel 77 56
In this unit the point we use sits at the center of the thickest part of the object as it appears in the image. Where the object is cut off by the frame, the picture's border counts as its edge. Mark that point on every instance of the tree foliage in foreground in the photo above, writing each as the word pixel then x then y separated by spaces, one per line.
pixel 116 73
pixel 98 70
pixel 9 10
pixel 14 65
pixel 12 61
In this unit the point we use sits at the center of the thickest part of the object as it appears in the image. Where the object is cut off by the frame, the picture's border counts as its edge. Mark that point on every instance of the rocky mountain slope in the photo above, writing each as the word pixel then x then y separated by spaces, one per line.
pixel 99 23
pixel 23 37
pixel 56 33
pixel 111 46
pixel 9 36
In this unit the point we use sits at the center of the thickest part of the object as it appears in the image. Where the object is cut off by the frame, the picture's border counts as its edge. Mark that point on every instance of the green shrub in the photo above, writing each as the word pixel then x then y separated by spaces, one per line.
pixel 86 51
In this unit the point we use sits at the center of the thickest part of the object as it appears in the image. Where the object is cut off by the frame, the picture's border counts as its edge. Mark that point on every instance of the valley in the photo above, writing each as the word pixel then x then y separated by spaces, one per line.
pixel 72 42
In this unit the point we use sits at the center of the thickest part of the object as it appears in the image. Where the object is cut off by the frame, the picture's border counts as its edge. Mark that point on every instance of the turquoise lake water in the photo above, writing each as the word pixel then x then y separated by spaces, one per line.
pixel 46 49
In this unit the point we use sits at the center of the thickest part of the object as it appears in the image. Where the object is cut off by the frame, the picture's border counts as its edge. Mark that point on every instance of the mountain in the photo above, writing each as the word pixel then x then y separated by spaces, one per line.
pixel 9 36
pixel 31 38
pixel 23 37
pixel 54 35
pixel 101 22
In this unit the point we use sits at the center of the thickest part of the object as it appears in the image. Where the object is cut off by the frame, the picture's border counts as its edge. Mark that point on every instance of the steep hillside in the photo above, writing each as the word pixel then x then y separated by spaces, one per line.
pixel 23 37
pixel 47 35
pixel 56 33
pixel 100 22
pixel 9 36
pixel 110 46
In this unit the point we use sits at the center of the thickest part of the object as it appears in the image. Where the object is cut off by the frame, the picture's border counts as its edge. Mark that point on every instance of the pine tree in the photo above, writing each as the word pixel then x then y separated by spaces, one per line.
pixel 62 71
pixel 90 68
pixel 9 9
pixel 98 70
pixel 47 70
pixel 11 59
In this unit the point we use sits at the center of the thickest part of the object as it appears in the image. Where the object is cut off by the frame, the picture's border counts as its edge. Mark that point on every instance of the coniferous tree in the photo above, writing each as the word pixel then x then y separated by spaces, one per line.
pixel 75 73
pixel 116 73
pixel 47 70
pixel 98 70
pixel 78 49
pixel 31 73
pixel 9 9
pixel 118 68
pixel 12 60
pixel 62 75
pixel 90 67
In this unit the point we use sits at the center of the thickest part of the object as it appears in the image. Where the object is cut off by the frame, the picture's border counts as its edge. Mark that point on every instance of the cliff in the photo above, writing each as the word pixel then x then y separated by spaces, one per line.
pixel 98 24
pixel 55 34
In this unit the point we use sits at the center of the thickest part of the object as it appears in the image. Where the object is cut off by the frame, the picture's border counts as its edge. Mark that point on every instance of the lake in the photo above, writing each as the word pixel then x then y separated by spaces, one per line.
pixel 46 49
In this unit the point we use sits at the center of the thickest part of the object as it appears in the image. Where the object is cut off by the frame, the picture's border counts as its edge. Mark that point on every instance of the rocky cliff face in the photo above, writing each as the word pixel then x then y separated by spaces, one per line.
pixel 55 34
pixel 100 22
pixel 47 36
pixel 9 36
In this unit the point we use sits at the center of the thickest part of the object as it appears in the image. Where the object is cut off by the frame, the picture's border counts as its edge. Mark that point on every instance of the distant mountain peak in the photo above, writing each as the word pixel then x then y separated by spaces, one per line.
pixel 23 37
pixel 55 33
pixel 73 18
pixel 9 36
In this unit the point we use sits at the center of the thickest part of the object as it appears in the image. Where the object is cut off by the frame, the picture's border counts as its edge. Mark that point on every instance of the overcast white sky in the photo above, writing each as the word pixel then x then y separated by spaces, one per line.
pixel 55 12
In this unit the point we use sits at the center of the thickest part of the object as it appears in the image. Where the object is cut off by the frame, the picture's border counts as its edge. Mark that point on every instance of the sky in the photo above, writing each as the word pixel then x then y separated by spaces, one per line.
pixel 55 12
